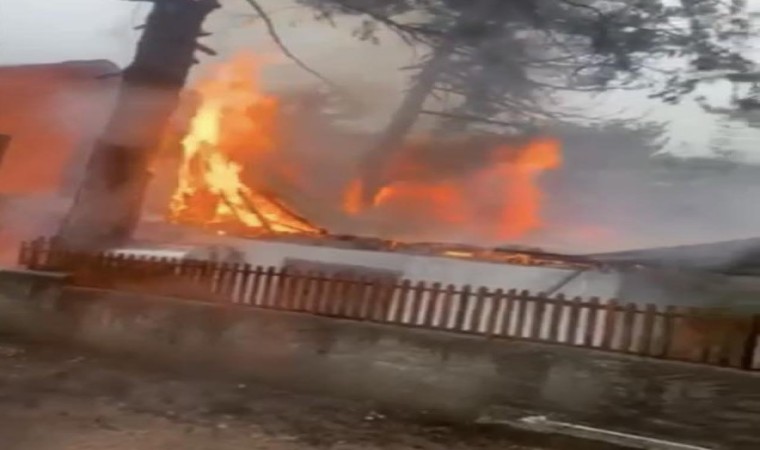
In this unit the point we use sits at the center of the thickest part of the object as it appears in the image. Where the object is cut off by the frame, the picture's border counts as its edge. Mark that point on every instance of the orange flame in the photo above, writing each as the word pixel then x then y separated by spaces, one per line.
pixel 352 200
pixel 442 201
pixel 499 200
pixel 235 123
pixel 522 197
pixel 232 149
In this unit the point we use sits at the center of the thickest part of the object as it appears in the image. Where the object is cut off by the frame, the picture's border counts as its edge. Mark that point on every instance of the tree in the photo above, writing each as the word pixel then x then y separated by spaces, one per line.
pixel 497 55
pixel 108 204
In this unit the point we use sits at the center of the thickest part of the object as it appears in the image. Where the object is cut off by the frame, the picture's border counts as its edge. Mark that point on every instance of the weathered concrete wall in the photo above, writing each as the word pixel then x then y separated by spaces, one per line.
pixel 452 374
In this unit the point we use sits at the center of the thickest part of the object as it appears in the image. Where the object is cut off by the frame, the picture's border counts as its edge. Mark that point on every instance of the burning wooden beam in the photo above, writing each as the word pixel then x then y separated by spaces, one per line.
pixel 287 218
pixel 264 222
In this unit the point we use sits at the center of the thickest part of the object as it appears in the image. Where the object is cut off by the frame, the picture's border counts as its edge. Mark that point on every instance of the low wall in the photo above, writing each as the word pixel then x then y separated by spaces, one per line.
pixel 435 371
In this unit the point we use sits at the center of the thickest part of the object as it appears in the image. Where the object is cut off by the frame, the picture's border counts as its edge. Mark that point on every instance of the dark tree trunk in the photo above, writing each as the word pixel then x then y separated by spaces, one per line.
pixel 391 139
pixel 107 206
pixel 374 165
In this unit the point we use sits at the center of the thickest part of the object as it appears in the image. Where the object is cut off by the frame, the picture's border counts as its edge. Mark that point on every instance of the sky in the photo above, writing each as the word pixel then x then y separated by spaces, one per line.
pixel 42 31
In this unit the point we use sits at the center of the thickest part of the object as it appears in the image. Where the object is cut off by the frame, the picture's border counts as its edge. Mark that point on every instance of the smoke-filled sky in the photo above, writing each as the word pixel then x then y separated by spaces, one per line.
pixel 35 31
pixel 46 31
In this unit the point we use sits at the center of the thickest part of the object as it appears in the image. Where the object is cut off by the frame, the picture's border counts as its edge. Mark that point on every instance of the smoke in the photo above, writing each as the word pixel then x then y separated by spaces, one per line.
pixel 612 195
pixel 605 201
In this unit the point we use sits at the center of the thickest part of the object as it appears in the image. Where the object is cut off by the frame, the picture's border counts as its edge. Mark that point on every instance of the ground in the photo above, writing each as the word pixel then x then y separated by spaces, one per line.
pixel 54 398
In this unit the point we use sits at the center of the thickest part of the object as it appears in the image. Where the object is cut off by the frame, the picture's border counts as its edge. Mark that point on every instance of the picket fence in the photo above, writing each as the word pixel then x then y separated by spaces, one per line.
pixel 706 336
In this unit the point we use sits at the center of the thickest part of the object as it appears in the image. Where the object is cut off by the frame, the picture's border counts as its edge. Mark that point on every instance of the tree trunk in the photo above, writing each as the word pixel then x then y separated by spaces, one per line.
pixel 107 206
pixel 372 170
pixel 374 165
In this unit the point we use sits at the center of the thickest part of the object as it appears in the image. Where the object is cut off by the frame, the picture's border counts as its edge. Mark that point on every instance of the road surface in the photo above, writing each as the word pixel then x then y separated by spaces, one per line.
pixel 60 399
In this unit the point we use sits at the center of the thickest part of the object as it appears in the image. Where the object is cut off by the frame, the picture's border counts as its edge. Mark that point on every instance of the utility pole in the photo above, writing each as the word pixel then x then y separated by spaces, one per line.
pixel 108 204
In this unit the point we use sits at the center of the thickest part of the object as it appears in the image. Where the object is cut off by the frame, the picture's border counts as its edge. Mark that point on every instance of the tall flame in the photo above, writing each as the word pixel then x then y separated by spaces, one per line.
pixel 235 123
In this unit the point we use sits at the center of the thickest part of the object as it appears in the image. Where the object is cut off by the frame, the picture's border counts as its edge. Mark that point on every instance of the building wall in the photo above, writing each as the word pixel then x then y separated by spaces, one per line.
pixel 53 113
pixel 450 375
pixel 439 269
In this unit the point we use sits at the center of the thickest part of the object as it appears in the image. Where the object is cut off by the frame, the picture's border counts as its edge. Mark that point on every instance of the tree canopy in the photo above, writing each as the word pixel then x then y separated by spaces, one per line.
pixel 513 51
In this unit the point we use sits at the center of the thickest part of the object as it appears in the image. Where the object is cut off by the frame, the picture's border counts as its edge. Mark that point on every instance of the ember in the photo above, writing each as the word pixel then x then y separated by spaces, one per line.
pixel 234 122
pixel 456 254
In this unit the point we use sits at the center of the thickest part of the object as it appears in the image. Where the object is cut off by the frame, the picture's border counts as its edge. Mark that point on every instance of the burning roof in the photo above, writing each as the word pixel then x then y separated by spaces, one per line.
pixel 233 156
pixel 234 123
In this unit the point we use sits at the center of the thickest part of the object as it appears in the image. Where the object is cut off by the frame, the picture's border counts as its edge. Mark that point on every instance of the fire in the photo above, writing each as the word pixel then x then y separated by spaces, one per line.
pixel 352 200
pixel 500 199
pixel 520 211
pixel 444 201
pixel 235 146
pixel 234 127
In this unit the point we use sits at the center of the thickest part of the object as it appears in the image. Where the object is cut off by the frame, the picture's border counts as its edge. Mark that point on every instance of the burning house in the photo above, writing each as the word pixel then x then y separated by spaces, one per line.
pixel 236 161
pixel 232 177
pixel 233 160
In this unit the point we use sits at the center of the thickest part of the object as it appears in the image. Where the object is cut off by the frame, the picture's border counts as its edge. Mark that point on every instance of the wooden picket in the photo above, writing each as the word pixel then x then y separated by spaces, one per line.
pixel 696 335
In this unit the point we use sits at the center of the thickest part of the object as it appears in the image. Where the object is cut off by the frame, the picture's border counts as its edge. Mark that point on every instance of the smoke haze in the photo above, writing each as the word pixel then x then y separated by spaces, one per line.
pixel 602 199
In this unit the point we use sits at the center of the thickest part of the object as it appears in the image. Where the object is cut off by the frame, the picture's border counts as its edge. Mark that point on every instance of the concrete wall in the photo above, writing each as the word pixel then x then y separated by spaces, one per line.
pixel 436 371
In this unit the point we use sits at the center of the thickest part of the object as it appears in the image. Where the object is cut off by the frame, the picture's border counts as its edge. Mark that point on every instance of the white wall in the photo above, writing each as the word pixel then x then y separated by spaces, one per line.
pixel 440 269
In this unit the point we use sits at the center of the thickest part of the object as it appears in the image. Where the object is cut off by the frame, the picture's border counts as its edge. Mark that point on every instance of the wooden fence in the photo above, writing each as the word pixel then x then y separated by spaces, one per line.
pixel 706 336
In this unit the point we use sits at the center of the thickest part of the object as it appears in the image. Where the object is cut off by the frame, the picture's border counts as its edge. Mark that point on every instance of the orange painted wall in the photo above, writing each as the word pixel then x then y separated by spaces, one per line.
pixel 51 112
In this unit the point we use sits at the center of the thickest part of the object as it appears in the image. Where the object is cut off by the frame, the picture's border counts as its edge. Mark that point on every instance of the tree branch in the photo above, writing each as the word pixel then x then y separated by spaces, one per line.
pixel 272 30
pixel 407 33
pixel 468 118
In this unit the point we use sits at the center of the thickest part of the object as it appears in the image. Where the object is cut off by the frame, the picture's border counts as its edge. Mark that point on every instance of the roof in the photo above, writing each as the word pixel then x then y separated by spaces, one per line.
pixel 740 256
pixel 72 70
pixel 50 111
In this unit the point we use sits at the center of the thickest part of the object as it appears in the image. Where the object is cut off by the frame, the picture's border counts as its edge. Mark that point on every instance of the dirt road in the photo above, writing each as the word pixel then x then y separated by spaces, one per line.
pixel 59 399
